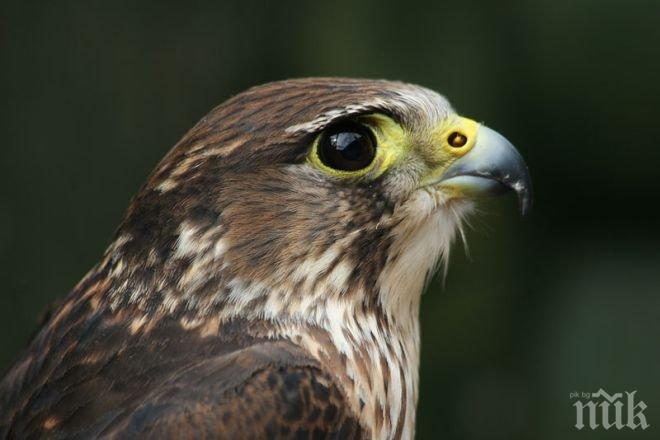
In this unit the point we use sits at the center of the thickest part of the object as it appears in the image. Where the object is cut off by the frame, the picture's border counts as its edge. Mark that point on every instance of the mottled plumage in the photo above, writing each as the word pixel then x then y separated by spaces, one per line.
pixel 249 293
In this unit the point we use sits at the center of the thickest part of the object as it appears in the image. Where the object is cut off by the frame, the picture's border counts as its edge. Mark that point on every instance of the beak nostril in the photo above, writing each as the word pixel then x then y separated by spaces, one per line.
pixel 457 140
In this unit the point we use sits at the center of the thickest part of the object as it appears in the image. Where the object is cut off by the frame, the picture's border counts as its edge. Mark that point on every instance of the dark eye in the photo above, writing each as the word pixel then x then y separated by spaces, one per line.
pixel 347 146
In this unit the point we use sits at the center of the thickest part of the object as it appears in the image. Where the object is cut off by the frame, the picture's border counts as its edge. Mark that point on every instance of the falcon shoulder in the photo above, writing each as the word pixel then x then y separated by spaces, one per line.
pixel 98 379
pixel 252 393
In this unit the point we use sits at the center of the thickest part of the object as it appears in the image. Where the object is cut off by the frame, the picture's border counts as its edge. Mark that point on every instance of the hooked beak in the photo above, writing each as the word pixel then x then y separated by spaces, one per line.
pixel 493 166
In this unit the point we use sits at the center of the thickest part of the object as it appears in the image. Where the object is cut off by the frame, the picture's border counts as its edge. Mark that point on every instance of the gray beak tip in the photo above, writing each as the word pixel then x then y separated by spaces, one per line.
pixel 524 200
pixel 523 190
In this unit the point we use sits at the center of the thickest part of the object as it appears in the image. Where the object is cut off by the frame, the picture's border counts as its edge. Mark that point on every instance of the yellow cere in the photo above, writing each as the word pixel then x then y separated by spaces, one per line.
pixel 392 143
pixel 442 153
pixel 463 126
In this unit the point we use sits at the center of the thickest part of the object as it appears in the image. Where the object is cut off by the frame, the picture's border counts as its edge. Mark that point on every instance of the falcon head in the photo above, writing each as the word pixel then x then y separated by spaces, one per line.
pixel 299 194
pixel 276 255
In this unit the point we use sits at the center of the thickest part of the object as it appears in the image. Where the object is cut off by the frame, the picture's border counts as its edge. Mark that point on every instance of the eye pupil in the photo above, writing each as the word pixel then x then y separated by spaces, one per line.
pixel 348 146
pixel 457 140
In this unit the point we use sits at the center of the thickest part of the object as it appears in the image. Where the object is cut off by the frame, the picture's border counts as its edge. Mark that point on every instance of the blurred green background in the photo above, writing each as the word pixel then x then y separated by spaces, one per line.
pixel 568 299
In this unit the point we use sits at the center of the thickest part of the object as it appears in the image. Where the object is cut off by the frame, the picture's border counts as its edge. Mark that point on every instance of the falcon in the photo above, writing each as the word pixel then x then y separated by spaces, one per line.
pixel 265 281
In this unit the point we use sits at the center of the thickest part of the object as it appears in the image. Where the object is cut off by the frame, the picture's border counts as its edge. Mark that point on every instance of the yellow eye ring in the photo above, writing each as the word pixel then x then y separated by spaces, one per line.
pixel 386 136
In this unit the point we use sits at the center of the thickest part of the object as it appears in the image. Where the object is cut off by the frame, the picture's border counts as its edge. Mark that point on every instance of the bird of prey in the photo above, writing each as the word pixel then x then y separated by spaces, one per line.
pixel 265 281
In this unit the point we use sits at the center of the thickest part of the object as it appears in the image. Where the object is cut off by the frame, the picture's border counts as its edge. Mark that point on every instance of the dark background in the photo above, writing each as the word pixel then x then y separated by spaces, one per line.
pixel 567 299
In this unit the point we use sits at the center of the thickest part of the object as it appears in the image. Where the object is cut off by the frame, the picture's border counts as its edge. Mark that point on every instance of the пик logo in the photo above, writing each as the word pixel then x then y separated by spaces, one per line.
pixel 611 407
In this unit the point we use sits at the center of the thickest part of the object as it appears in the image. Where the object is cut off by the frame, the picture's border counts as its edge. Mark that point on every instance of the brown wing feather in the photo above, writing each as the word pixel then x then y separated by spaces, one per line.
pixel 96 379
pixel 275 402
